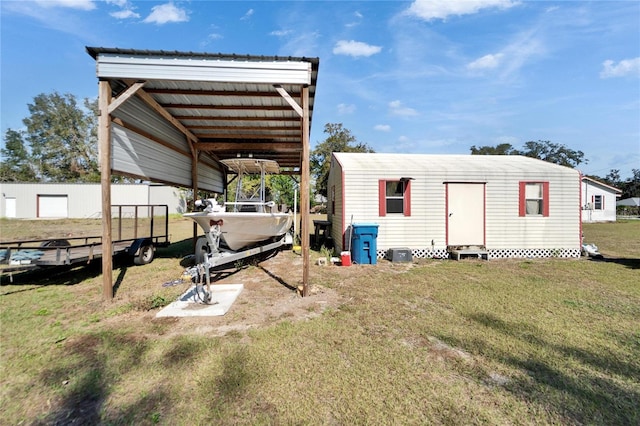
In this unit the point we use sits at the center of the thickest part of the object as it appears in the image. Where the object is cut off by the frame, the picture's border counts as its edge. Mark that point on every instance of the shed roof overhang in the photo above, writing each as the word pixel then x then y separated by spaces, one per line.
pixel 226 105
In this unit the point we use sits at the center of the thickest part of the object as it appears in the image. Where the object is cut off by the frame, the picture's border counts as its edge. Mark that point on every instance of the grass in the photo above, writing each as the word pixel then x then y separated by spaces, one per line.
pixel 501 342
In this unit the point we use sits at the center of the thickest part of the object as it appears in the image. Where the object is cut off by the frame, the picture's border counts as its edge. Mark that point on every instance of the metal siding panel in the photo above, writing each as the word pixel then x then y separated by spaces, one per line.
pixel 134 154
pixel 210 179
pixel 147 120
pixel 171 196
pixel 116 66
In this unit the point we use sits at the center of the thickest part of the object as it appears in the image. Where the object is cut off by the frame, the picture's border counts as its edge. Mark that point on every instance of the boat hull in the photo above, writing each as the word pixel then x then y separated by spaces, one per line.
pixel 241 230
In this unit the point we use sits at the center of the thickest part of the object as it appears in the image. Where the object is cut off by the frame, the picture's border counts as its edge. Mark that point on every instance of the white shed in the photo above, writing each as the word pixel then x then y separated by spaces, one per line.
pixel 598 201
pixel 510 206
pixel 81 200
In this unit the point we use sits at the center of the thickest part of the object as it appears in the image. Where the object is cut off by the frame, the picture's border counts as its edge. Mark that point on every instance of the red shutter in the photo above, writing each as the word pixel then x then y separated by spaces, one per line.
pixel 521 202
pixel 407 198
pixel 382 198
pixel 545 199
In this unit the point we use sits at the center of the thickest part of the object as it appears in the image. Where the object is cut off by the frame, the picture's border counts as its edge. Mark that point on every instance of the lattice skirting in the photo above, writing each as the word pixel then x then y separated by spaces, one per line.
pixel 495 253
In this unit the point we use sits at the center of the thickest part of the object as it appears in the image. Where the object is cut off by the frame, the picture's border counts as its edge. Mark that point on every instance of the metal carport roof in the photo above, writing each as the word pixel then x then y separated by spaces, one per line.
pixel 171 117
pixel 228 104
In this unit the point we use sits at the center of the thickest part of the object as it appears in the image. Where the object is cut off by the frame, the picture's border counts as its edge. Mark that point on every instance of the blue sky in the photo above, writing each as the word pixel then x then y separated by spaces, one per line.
pixel 415 77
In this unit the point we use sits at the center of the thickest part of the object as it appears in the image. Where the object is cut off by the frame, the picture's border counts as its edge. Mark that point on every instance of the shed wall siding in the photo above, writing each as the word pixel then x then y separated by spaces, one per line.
pixel 504 228
pixel 337 218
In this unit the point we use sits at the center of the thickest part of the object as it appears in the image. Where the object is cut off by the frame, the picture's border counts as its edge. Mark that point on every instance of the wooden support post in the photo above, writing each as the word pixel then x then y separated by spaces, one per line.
pixel 194 186
pixel 104 143
pixel 304 191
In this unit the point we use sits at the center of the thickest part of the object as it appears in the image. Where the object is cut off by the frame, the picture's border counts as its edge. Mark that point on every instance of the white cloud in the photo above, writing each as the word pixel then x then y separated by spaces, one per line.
pixel 125 14
pixel 442 9
pixel 358 16
pixel 382 127
pixel 210 38
pixel 280 33
pixel 71 4
pixel 486 62
pixel 166 13
pixel 396 108
pixel 247 15
pixel 355 48
pixel 623 68
pixel 521 50
pixel 119 3
pixel 346 108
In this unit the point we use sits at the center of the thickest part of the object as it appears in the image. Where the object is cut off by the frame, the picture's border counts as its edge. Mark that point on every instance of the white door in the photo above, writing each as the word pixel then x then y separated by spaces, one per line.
pixel 52 206
pixel 465 214
pixel 10 207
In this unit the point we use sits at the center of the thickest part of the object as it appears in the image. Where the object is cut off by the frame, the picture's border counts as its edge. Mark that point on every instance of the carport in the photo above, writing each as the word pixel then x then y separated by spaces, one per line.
pixel 171 116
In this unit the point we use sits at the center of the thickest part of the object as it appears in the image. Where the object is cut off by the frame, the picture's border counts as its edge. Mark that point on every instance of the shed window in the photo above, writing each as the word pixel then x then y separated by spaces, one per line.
pixel 534 198
pixel 394 197
pixel 598 202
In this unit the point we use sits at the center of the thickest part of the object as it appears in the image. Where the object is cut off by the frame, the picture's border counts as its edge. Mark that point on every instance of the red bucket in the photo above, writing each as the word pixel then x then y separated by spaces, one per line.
pixel 345 258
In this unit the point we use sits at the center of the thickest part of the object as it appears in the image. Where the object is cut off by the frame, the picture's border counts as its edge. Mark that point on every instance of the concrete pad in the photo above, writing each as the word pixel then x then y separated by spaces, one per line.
pixel 222 297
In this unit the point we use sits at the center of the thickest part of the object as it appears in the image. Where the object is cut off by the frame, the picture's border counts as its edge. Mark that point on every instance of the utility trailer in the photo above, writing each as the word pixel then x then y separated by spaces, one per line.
pixel 137 230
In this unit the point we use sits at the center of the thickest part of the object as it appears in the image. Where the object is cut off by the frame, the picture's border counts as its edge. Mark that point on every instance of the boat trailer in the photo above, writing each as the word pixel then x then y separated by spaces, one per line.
pixel 210 255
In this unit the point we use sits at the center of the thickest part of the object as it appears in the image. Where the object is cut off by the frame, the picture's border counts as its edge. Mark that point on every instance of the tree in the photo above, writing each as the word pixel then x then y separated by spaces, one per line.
pixel 16 165
pixel 553 153
pixel 63 138
pixel 501 149
pixel 282 189
pixel 339 140
pixel 613 178
pixel 543 150
pixel 631 187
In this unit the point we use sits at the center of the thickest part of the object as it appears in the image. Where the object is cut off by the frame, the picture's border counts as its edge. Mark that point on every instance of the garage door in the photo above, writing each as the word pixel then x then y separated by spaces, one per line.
pixel 52 206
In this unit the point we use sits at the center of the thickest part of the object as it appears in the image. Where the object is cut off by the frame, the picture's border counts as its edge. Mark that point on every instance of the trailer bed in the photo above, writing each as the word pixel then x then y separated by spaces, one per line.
pixel 27 254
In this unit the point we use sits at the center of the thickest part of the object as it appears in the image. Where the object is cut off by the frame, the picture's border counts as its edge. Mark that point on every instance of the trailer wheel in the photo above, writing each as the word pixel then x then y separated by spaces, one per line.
pixel 145 255
pixel 202 249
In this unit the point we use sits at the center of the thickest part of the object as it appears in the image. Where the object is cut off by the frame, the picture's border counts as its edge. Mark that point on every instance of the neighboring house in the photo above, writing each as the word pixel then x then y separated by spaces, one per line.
pixel 629 202
pixel 629 206
pixel 511 206
pixel 80 200
pixel 598 201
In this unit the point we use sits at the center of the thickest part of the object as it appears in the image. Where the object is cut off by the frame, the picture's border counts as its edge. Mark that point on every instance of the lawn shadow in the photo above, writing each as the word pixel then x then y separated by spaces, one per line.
pixel 581 396
pixel 64 275
pixel 277 278
pixel 86 380
pixel 176 250
pixel 626 262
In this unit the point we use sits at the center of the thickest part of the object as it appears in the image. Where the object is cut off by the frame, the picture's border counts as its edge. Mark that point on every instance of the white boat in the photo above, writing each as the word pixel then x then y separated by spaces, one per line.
pixel 249 220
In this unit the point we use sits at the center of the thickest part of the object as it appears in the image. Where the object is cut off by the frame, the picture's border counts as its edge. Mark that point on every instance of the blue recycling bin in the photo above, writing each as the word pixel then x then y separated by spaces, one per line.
pixel 363 245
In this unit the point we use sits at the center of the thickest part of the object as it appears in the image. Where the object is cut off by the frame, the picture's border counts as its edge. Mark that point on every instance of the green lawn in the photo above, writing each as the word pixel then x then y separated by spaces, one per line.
pixel 442 342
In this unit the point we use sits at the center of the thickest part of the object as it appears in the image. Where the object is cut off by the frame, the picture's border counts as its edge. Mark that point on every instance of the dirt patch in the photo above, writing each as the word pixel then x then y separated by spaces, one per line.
pixel 270 295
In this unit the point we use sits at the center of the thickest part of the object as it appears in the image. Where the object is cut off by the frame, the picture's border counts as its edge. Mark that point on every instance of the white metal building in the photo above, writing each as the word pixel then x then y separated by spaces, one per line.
pixel 598 201
pixel 80 200
pixel 512 206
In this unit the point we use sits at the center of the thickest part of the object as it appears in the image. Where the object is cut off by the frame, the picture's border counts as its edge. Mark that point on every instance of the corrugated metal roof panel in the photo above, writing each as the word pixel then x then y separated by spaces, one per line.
pixel 444 163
